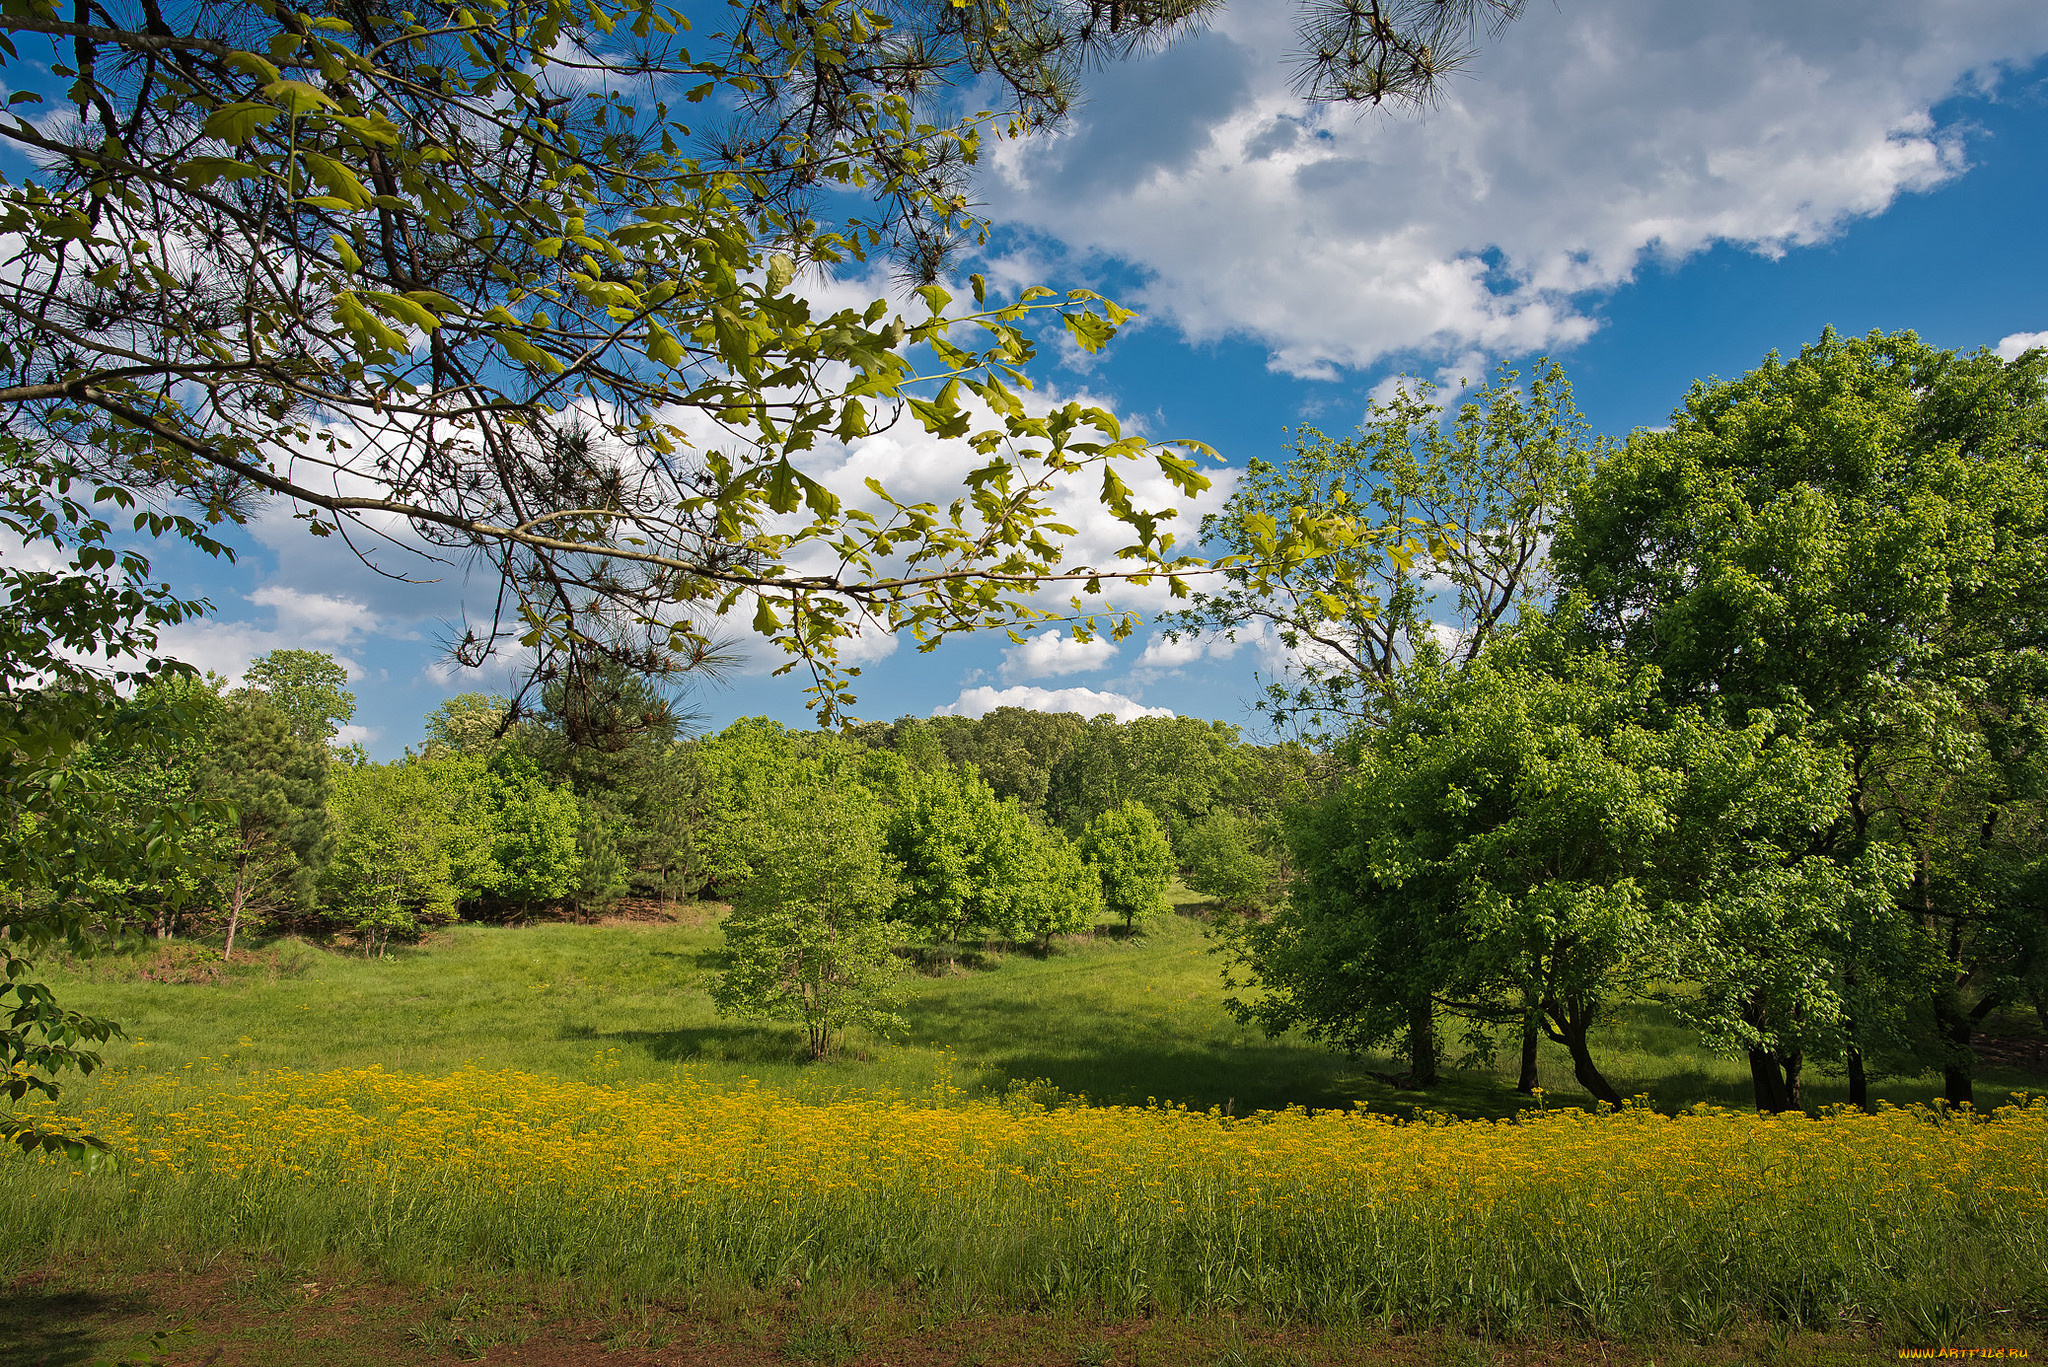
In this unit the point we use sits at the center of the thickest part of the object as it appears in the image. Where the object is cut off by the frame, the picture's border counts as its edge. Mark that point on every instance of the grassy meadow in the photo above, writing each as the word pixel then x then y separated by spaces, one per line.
pixel 1113 1020
pixel 560 1102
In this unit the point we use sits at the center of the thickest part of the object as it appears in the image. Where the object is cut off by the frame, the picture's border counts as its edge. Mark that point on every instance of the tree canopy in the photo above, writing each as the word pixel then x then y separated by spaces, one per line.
pixel 521 282
pixel 1861 532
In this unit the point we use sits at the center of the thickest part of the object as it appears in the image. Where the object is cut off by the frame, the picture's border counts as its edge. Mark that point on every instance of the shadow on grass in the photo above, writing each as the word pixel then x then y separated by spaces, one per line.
pixel 711 958
pixel 761 1044
pixel 1098 1056
pixel 39 1325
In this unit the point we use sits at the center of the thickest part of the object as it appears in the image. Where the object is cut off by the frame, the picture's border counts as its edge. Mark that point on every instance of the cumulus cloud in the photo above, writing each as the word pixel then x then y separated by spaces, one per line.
pixel 1590 138
pixel 317 618
pixel 978 702
pixel 301 620
pixel 2011 348
pixel 1052 655
pixel 1168 652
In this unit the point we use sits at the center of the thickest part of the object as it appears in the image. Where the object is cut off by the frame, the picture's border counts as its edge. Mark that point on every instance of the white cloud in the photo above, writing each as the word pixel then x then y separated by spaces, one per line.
pixel 301 621
pixel 1052 655
pixel 2010 348
pixel 977 702
pixel 1589 138
pixel 1168 654
pixel 316 618
pixel 226 648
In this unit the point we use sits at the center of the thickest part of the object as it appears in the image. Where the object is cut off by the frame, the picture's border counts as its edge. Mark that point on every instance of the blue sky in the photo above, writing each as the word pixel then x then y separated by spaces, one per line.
pixel 1650 191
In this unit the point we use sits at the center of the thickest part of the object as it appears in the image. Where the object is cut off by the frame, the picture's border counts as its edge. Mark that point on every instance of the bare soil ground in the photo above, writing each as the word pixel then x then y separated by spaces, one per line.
pixel 238 1312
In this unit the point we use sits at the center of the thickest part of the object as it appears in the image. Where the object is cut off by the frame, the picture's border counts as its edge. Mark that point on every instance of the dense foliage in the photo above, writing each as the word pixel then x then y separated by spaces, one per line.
pixel 1772 753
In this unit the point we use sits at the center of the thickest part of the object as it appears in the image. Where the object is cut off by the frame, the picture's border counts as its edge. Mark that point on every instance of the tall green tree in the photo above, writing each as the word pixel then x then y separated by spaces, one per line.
pixel 275 786
pixel 1536 837
pixel 468 724
pixel 959 848
pixel 515 847
pixel 1178 767
pixel 612 736
pixel 1221 856
pixel 1860 532
pixel 306 686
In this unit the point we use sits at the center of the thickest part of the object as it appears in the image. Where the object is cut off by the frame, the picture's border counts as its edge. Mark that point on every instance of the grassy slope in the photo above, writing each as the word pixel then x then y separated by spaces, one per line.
pixel 1119 1021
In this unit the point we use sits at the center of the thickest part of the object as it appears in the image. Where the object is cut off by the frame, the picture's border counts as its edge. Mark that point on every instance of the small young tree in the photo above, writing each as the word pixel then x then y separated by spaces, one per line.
pixel 809 938
pixel 1131 856
pixel 1221 856
pixel 390 873
pixel 1050 890
pixel 275 784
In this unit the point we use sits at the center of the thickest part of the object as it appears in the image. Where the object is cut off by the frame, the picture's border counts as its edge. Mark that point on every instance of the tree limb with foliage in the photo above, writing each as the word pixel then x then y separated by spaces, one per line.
pixel 518 281
pixel 1479 481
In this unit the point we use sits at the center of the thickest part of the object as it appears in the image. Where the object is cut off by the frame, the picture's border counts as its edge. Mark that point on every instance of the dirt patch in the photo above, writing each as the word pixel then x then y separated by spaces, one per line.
pixel 254 1312
pixel 628 911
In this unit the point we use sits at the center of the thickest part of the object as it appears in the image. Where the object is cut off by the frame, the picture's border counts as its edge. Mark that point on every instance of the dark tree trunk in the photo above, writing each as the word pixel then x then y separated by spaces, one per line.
pixel 1859 1081
pixel 1422 1043
pixel 1528 1082
pixel 1584 1069
pixel 1795 1063
pixel 1958 1063
pixel 1769 1082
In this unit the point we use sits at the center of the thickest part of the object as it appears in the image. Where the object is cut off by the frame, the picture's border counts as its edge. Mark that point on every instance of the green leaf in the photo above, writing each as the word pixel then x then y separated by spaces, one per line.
pixel 250 64
pixel 200 172
pixel 297 97
pixel 781 270
pixel 238 122
pixel 405 310
pixel 1091 330
pixel 783 495
pixel 336 179
pixel 662 348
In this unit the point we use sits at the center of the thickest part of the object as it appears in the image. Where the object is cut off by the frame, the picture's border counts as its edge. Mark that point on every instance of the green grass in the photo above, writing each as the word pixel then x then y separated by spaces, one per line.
pixel 1114 1019
pixel 1117 1020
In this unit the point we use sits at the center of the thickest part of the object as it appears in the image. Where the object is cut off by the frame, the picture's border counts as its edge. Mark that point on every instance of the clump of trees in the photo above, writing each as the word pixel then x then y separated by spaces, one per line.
pixel 1769 749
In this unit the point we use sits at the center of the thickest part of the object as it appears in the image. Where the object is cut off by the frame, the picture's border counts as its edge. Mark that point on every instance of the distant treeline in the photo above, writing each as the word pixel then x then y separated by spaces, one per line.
pixel 598 795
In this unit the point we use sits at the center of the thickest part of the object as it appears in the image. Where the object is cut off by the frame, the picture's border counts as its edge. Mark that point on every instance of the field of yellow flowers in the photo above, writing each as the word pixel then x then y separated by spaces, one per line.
pixel 1630 1222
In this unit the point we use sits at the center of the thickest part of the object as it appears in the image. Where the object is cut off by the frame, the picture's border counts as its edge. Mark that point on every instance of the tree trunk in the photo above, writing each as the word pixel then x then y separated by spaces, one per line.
pixel 1859 1081
pixel 1422 1042
pixel 1584 1069
pixel 235 901
pixel 1794 1063
pixel 1529 1081
pixel 1767 1080
pixel 1957 1069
